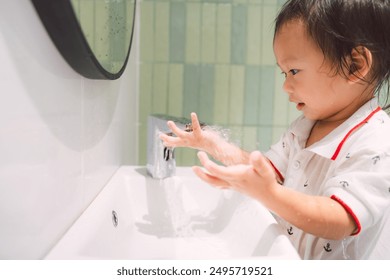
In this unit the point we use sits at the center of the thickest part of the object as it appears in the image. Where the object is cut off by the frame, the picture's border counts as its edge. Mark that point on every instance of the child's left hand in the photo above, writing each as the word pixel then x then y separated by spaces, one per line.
pixel 328 219
pixel 256 179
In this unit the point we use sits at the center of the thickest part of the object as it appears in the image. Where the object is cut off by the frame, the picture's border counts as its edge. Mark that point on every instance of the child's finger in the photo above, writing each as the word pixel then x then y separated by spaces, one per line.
pixel 226 173
pixel 212 180
pixel 259 162
pixel 211 167
pixel 175 129
pixel 195 123
pixel 170 141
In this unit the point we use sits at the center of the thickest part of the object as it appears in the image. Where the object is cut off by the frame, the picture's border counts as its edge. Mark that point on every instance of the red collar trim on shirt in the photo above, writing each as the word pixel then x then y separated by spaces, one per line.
pixel 281 178
pixel 353 130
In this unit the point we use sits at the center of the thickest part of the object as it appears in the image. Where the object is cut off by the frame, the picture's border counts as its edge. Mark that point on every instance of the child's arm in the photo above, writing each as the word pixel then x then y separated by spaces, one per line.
pixel 320 216
pixel 205 140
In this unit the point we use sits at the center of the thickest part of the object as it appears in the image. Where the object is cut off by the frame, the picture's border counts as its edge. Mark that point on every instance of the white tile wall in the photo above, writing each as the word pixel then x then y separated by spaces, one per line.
pixel 61 136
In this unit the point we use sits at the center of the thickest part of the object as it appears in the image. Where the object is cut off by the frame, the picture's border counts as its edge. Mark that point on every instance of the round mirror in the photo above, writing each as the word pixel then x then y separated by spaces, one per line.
pixel 94 36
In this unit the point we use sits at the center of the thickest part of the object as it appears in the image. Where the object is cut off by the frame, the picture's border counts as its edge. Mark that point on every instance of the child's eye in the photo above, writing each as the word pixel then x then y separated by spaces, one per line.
pixel 292 71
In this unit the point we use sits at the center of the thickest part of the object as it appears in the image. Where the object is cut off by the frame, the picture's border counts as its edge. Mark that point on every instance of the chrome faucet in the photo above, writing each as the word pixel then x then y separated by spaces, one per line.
pixel 160 159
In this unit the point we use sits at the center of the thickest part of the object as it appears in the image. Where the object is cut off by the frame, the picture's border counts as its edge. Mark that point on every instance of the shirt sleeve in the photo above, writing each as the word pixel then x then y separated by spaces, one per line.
pixel 361 184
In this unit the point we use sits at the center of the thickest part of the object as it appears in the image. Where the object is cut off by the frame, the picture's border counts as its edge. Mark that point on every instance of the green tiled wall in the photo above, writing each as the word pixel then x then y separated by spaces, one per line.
pixel 214 58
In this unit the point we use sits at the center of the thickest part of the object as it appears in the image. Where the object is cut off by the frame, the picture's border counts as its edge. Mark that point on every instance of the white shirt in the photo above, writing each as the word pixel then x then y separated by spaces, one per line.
pixel 352 166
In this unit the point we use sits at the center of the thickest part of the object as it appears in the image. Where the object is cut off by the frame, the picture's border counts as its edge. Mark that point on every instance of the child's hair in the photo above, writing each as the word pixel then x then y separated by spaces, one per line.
pixel 340 26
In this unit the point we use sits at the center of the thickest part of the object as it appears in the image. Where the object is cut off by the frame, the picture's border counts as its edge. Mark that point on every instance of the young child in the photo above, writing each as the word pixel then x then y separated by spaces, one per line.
pixel 328 179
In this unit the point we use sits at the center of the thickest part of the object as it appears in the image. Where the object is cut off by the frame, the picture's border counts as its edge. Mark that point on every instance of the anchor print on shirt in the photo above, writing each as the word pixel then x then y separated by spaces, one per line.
pixel 344 184
pixel 327 248
pixel 290 231
pixel 376 159
pixel 306 184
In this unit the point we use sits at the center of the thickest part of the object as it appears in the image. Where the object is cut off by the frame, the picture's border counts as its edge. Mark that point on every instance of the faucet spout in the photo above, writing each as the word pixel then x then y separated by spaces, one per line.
pixel 161 161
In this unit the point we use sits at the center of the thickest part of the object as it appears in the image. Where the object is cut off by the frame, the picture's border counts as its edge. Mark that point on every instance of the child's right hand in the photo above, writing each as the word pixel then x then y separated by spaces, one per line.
pixel 197 138
pixel 207 140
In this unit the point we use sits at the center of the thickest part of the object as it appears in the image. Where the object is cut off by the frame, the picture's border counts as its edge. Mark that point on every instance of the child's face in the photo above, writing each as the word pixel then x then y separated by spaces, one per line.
pixel 310 82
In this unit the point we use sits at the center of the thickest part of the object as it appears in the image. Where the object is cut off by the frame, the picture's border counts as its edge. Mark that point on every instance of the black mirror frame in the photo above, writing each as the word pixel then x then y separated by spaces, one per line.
pixel 62 25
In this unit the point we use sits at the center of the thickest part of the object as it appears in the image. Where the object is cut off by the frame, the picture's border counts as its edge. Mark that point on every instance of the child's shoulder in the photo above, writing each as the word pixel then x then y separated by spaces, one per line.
pixel 375 133
pixel 379 124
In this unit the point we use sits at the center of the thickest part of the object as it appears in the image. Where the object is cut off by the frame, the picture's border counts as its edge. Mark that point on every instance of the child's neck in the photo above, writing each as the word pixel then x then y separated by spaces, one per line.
pixel 320 129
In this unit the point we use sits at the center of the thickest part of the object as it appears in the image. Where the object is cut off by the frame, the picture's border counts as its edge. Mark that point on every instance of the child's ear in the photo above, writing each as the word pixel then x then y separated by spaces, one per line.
pixel 361 62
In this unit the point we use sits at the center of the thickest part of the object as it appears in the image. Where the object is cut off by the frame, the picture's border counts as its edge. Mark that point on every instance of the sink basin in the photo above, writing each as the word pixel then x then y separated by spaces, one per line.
pixel 181 217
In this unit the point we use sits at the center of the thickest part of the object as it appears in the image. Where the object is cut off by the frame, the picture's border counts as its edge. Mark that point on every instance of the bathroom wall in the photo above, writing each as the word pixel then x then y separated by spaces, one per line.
pixel 61 136
pixel 214 58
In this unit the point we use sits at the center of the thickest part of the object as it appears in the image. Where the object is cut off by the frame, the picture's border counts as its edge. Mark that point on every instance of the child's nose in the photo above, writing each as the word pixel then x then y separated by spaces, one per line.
pixel 287 86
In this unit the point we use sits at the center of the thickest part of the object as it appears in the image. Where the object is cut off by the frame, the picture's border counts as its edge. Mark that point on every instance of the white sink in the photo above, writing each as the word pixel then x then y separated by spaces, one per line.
pixel 137 217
